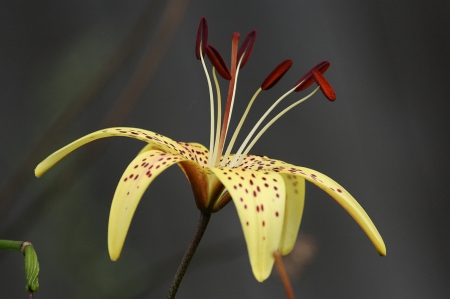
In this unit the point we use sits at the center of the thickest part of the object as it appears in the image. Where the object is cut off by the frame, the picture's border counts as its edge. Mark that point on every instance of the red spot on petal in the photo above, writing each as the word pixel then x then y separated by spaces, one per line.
pixel 276 214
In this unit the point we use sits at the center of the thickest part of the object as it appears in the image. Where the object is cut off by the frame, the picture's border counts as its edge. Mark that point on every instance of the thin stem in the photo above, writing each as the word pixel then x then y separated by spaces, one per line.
pixel 213 155
pixel 247 139
pixel 263 130
pixel 283 275
pixel 238 128
pixel 201 227
pixel 211 99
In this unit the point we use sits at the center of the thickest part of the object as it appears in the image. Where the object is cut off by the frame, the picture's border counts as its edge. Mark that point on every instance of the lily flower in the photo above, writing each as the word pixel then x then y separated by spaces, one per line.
pixel 268 194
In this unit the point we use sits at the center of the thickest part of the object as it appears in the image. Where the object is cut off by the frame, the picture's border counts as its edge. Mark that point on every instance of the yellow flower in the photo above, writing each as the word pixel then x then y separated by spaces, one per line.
pixel 268 193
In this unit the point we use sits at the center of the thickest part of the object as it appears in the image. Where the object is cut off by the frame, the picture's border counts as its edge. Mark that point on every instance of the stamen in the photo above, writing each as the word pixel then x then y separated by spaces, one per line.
pixel 231 108
pixel 238 128
pixel 276 75
pixel 202 38
pixel 231 89
pixel 211 100
pixel 308 77
pixel 263 130
pixel 325 87
pixel 213 155
pixel 268 83
pixel 218 62
pixel 247 139
pixel 246 48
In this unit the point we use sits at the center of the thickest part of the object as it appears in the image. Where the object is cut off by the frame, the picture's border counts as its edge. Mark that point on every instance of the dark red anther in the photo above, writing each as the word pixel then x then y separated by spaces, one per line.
pixel 276 74
pixel 202 38
pixel 325 87
pixel 247 47
pixel 218 62
pixel 308 77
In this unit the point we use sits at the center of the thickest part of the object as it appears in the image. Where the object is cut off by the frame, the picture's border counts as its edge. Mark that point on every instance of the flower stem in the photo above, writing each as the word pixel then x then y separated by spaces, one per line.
pixel 201 227
pixel 283 275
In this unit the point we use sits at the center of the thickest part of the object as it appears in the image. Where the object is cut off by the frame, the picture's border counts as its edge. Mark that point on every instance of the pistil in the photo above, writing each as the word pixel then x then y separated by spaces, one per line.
pixel 231 88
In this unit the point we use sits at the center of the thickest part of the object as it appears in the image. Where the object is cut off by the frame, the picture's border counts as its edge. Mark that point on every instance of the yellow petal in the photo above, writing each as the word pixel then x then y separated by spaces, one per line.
pixel 295 201
pixel 329 186
pixel 159 142
pixel 259 198
pixel 196 152
pixel 135 180
pixel 345 200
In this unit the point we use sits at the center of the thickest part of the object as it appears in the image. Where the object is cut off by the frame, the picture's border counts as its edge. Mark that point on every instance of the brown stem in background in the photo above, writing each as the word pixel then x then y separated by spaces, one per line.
pixel 130 44
pixel 283 275
pixel 165 32
pixel 153 56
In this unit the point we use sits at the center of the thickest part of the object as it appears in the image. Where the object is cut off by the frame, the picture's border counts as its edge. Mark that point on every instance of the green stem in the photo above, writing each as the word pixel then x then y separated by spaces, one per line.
pixel 201 227
pixel 10 245
pixel 31 262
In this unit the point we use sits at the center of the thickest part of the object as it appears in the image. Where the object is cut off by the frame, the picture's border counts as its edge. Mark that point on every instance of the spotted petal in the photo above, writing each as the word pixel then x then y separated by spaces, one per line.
pixel 135 180
pixel 259 198
pixel 295 202
pixel 329 186
pixel 159 142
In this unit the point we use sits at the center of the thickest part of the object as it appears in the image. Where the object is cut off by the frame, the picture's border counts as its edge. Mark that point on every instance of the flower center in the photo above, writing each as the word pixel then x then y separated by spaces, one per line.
pixel 239 58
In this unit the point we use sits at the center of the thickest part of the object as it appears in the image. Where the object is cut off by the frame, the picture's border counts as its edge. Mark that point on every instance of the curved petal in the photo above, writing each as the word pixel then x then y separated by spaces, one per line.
pixel 259 198
pixel 135 180
pixel 160 142
pixel 295 202
pixel 329 186
pixel 197 152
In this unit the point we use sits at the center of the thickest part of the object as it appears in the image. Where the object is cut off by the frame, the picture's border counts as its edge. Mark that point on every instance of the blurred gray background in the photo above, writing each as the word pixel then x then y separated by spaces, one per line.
pixel 68 68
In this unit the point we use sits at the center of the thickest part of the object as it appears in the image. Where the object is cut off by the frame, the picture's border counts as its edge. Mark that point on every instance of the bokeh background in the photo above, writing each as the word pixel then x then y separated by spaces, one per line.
pixel 68 68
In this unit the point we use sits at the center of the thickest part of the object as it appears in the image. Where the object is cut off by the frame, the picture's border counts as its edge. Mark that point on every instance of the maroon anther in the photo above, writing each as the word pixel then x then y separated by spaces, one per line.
pixel 218 62
pixel 202 38
pixel 308 77
pixel 325 87
pixel 276 74
pixel 247 47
